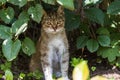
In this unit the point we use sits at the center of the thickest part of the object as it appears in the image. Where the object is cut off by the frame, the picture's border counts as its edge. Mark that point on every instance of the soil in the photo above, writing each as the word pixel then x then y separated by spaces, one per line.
pixel 104 69
pixel 112 74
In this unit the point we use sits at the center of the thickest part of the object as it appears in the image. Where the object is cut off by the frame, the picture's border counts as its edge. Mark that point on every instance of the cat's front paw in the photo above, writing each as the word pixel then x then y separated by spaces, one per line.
pixel 48 78
pixel 66 78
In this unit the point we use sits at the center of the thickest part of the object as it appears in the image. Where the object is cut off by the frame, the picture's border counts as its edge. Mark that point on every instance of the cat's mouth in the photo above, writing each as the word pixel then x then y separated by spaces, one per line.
pixel 54 30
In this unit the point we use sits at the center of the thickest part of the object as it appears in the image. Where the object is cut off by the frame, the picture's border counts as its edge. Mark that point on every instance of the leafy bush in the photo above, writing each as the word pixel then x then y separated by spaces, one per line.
pixel 100 28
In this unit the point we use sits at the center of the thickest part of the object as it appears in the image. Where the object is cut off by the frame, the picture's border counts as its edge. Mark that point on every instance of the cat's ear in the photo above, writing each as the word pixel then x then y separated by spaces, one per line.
pixel 60 10
pixel 44 13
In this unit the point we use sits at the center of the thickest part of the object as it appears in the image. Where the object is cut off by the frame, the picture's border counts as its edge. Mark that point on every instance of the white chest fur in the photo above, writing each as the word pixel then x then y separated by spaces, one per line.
pixel 56 42
pixel 56 48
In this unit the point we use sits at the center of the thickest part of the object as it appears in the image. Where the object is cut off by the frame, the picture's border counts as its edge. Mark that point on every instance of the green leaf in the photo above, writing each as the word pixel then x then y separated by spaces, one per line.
pixel 92 45
pixel 7 14
pixel 28 46
pixel 8 75
pixel 75 61
pixel 5 66
pixel 115 39
pixel 104 40
pixel 95 15
pixel 81 41
pixel 69 4
pixel 20 3
pixel 110 53
pixel 19 26
pixel 22 75
pixel 88 2
pixel 2 2
pixel 23 15
pixel 72 20
pixel 50 1
pixel 38 75
pixel 103 31
pixel 5 32
pixel 36 12
pixel 85 29
pixel 11 48
pixel 114 7
pixel 107 20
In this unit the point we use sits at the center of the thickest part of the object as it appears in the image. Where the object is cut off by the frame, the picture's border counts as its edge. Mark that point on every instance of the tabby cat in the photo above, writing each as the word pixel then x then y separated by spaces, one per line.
pixel 52 55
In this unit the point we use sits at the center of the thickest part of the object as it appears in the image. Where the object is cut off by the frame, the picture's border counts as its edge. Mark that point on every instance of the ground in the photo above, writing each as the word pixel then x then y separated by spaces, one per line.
pixel 104 69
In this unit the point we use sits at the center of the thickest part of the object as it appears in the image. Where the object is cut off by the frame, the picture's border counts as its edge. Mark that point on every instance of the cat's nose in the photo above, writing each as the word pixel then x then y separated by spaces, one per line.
pixel 55 28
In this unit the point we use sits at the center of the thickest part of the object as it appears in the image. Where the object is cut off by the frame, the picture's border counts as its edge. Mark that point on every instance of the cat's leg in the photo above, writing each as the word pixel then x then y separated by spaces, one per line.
pixel 35 63
pixel 65 64
pixel 46 63
pixel 56 66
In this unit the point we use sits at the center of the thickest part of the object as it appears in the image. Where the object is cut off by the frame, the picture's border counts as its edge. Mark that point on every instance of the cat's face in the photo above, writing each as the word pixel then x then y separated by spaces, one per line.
pixel 53 22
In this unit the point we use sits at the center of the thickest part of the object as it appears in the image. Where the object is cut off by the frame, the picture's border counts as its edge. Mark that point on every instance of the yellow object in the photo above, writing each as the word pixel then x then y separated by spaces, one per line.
pixel 81 71
pixel 60 79
pixel 98 78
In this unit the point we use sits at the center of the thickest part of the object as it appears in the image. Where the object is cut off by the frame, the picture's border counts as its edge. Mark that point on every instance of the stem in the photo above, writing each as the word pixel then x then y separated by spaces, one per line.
pixel 93 33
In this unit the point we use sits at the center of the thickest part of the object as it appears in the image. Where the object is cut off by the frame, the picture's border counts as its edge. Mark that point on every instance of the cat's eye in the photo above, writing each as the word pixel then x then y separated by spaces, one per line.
pixel 60 22
pixel 59 25
pixel 48 22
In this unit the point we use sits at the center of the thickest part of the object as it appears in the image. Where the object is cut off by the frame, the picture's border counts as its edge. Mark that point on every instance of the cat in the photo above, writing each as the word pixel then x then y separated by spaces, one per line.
pixel 52 54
